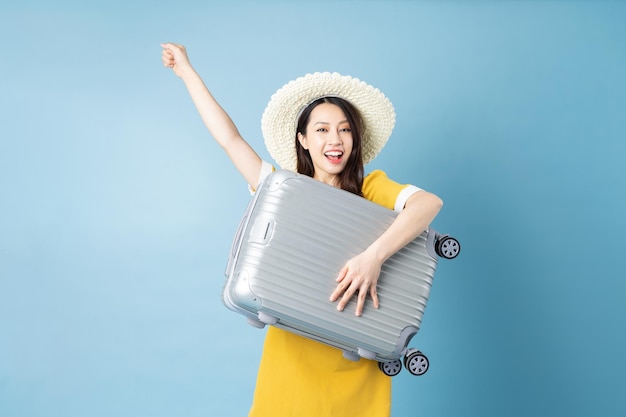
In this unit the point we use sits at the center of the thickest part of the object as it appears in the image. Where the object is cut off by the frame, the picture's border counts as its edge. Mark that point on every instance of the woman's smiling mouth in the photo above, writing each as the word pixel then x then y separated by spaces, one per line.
pixel 334 156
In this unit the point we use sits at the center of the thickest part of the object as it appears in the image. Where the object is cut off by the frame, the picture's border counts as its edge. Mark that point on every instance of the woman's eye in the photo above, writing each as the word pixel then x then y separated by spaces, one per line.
pixel 321 129
pixel 346 129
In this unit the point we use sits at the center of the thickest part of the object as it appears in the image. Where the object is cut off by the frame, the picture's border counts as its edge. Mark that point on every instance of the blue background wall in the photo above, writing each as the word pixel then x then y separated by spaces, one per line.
pixel 117 209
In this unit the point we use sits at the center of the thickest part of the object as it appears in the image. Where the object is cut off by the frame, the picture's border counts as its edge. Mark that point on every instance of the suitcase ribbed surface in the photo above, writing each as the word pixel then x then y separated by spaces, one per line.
pixel 299 233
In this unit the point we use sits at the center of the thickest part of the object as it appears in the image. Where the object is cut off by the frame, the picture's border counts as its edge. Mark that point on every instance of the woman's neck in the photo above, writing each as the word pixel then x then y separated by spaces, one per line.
pixel 330 179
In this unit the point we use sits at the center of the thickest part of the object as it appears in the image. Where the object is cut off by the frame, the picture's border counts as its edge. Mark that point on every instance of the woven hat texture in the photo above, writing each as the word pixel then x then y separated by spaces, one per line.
pixel 279 120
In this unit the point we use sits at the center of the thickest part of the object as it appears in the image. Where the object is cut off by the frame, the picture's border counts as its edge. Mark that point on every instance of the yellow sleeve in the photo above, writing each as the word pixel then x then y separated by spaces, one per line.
pixel 378 188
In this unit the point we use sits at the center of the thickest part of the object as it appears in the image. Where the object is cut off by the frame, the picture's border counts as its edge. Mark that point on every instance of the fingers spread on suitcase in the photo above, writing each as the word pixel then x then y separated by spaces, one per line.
pixel 342 274
pixel 374 294
pixel 347 295
pixel 360 301
pixel 342 285
pixel 363 291
pixel 359 276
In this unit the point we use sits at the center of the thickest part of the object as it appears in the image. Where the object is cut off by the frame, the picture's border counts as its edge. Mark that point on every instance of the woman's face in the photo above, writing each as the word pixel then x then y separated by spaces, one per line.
pixel 329 141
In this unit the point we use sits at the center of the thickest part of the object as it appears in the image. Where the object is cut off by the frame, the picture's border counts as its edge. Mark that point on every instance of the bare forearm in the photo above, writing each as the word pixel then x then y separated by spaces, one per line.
pixel 361 272
pixel 419 212
pixel 217 121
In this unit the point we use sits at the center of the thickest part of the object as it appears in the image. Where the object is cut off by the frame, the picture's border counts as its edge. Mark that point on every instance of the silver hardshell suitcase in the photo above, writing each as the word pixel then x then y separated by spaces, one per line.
pixel 295 236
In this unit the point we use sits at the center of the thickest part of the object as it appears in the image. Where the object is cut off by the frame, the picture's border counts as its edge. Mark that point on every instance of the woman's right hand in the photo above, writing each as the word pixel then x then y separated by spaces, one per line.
pixel 174 56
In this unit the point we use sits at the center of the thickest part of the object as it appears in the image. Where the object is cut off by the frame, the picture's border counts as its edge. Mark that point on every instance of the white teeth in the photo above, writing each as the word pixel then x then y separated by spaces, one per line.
pixel 334 153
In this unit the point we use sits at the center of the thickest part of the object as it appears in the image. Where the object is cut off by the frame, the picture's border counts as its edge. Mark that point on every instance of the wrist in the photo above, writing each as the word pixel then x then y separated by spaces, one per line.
pixel 375 251
pixel 187 73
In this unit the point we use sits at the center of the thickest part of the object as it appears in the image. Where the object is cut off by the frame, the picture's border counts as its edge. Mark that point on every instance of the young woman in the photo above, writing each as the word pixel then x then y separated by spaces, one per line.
pixel 326 126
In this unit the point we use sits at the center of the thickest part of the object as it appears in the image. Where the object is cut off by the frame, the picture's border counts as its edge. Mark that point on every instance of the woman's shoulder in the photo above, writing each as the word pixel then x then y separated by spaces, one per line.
pixel 375 175
pixel 379 188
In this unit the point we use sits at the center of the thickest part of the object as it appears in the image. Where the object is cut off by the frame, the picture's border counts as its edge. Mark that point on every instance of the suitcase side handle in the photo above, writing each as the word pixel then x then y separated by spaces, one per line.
pixel 261 231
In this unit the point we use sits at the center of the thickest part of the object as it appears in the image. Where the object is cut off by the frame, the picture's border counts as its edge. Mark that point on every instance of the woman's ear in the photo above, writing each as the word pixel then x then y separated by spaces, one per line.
pixel 302 140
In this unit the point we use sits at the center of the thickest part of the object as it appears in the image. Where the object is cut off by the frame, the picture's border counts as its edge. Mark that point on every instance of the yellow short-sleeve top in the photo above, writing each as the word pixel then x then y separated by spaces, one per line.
pixel 299 377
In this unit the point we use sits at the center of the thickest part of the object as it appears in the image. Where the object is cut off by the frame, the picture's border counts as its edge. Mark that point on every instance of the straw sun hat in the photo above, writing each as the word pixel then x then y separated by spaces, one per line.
pixel 279 120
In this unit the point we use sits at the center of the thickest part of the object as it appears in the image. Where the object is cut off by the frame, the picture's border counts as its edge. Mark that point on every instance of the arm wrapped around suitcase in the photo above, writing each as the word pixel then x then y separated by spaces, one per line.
pixel 287 253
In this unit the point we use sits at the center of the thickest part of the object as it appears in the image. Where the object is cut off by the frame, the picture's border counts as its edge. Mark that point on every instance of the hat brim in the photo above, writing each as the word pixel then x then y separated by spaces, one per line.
pixel 279 120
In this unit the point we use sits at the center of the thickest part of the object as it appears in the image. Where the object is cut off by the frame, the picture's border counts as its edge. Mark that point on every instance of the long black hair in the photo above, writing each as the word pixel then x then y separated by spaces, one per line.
pixel 351 178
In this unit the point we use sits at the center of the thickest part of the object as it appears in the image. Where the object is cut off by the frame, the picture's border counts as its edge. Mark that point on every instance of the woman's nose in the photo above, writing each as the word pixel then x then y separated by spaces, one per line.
pixel 336 137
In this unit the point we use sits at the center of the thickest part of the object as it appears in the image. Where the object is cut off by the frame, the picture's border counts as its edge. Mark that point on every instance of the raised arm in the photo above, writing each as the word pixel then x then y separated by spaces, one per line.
pixel 217 121
pixel 360 274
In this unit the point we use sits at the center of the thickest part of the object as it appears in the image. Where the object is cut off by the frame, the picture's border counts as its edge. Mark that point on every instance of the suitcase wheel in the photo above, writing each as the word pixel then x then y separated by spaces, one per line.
pixel 416 362
pixel 391 368
pixel 448 247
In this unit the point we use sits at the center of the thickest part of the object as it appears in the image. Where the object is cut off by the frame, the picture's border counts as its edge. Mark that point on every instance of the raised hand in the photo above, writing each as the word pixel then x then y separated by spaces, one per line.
pixel 174 56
